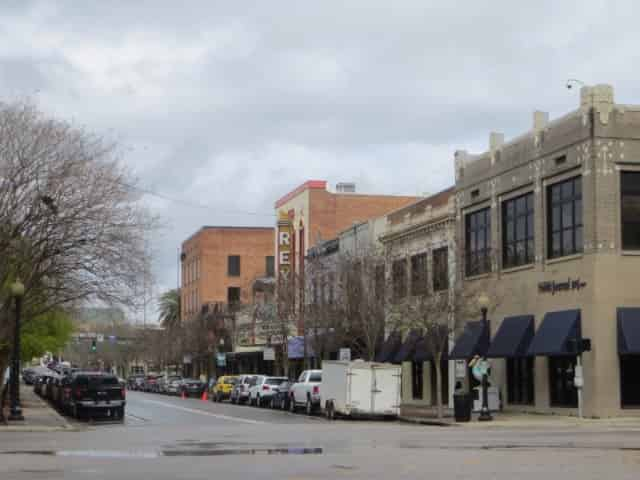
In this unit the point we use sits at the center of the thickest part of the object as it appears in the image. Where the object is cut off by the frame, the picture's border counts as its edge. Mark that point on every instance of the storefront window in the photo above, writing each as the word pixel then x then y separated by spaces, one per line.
pixel 517 231
pixel 417 377
pixel 630 194
pixel 399 271
pixel 561 375
pixel 478 242
pixel 419 285
pixel 565 218
pixel 629 384
pixel 520 381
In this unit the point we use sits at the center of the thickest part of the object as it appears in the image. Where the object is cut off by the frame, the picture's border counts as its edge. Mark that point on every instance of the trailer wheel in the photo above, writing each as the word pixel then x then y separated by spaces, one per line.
pixel 329 410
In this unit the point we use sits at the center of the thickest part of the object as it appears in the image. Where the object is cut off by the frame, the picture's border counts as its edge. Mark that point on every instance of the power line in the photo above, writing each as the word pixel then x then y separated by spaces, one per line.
pixel 194 204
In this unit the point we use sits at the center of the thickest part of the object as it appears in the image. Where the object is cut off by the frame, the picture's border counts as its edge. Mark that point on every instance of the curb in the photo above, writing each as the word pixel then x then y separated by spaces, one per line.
pixel 427 421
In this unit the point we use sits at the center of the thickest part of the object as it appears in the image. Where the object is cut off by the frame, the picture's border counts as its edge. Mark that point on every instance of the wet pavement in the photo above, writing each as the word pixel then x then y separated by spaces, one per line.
pixel 167 437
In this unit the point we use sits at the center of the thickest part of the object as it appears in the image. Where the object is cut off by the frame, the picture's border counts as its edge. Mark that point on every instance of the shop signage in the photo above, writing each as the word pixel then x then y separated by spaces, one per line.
pixel 461 369
pixel 345 354
pixel 186 359
pixel 552 286
pixel 269 354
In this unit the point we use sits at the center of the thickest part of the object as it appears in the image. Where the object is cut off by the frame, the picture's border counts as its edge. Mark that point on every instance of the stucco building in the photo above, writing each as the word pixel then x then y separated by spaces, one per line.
pixel 419 248
pixel 552 219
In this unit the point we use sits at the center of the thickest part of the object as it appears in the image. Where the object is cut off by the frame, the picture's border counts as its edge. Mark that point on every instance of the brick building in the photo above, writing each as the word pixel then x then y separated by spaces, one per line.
pixel 310 214
pixel 220 265
pixel 553 218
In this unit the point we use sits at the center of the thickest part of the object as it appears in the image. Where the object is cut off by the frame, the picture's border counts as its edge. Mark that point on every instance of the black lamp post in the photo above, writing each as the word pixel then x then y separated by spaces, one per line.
pixel 485 413
pixel 17 291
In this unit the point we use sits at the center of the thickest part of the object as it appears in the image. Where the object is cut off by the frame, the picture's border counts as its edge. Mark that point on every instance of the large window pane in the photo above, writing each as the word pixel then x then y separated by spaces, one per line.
pixel 630 193
pixel 565 218
pixel 517 231
pixel 478 241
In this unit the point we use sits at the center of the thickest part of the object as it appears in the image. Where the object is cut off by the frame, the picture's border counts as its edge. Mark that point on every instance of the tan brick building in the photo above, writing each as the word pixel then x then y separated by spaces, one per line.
pixel 553 218
pixel 220 264
pixel 314 214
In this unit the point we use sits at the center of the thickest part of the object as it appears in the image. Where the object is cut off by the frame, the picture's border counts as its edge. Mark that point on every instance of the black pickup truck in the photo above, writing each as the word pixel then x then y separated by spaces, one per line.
pixel 95 394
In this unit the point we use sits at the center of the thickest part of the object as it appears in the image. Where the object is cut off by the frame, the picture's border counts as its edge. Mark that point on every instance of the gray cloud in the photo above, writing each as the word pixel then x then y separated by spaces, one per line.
pixel 231 104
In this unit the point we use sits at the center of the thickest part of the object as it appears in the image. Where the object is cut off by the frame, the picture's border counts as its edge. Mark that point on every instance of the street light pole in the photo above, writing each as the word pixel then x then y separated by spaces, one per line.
pixel 17 290
pixel 485 413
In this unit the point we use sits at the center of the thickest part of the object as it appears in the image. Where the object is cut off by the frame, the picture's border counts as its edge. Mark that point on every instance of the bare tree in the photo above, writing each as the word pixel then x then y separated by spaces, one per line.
pixel 276 318
pixel 71 226
pixel 439 315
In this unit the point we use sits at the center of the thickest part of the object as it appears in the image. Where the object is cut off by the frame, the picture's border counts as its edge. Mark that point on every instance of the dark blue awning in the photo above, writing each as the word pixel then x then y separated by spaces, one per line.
pixel 557 335
pixel 389 348
pixel 406 350
pixel 472 342
pixel 629 331
pixel 512 338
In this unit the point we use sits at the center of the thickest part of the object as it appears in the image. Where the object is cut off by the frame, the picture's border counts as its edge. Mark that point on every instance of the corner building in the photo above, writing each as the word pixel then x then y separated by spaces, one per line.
pixel 551 222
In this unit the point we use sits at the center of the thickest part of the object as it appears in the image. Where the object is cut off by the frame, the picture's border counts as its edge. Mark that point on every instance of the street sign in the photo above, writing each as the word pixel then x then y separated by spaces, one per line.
pixel 345 355
pixel 221 359
pixel 100 338
pixel 186 359
pixel 480 368
pixel 269 354
pixel 461 369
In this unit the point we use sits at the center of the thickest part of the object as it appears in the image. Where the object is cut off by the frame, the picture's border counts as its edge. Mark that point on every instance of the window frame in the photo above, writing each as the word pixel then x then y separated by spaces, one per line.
pixel 417 380
pixel 520 385
pixel 399 288
pixel 510 236
pixel 555 394
pixel 270 266
pixel 230 273
pixel 628 248
pixel 239 290
pixel 440 284
pixel 629 389
pixel 472 236
pixel 561 230
pixel 419 274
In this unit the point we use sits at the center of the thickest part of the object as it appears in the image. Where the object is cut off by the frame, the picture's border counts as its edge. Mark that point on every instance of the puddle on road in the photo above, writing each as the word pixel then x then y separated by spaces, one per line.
pixel 177 452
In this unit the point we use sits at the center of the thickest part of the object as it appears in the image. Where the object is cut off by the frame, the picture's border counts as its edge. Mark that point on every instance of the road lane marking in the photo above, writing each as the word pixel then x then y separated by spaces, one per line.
pixel 203 412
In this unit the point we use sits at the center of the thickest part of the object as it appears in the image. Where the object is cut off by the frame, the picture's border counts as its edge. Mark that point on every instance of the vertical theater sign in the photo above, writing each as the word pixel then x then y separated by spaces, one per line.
pixel 284 242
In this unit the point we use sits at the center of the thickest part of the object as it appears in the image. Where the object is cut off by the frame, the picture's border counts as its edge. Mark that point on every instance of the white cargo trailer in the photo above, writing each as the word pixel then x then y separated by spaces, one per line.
pixel 360 388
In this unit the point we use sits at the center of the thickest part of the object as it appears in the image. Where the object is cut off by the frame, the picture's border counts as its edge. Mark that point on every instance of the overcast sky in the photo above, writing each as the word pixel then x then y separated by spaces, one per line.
pixel 229 105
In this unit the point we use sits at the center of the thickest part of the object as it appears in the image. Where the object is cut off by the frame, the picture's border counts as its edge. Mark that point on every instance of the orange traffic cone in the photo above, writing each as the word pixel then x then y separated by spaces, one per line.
pixel 183 395
pixel 205 397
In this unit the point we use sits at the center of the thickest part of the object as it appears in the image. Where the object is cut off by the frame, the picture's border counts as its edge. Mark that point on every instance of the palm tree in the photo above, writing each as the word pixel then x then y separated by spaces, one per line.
pixel 169 307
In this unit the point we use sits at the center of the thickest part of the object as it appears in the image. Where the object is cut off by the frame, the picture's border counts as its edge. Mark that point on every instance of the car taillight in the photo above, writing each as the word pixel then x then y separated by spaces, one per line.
pixel 79 392
pixel 67 392
pixel 265 387
pixel 316 390
pixel 124 393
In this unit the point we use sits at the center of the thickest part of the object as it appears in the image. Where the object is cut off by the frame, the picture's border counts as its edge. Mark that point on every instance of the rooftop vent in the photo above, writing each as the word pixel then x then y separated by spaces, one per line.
pixel 346 187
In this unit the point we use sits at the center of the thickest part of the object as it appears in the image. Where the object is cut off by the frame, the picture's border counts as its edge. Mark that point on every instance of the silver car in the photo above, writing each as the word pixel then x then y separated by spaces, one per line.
pixel 264 388
pixel 240 392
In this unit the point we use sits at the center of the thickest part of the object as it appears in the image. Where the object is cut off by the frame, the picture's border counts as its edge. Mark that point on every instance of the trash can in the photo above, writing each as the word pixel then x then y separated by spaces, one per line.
pixel 462 404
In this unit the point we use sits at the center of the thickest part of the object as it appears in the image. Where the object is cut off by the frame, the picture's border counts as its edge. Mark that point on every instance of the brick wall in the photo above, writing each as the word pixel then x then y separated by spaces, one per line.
pixel 211 247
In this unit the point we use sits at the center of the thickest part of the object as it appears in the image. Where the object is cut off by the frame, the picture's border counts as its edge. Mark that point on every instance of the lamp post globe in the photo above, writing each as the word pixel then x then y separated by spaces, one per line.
pixel 15 414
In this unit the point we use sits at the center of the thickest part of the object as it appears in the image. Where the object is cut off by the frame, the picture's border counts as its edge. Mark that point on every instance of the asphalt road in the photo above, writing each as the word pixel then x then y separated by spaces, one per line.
pixel 169 438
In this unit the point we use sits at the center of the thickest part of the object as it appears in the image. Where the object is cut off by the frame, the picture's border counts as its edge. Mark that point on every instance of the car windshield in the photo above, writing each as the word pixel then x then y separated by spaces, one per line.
pixel 275 381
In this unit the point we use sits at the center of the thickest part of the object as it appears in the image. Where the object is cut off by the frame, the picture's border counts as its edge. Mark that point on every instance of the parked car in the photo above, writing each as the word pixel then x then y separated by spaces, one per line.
pixel 49 386
pixel 306 391
pixel 135 382
pixel 240 392
pixel 39 385
pixel 173 384
pixel 94 394
pixel 192 387
pixel 263 389
pixel 29 375
pixel 221 390
pixel 280 398
pixel 150 383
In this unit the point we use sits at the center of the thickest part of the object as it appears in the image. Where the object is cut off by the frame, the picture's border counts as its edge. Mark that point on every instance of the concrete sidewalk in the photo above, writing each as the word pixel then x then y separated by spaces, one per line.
pixel 530 421
pixel 39 416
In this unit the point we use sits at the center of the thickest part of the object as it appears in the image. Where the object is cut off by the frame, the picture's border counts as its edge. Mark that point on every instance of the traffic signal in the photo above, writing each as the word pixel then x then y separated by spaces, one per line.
pixel 94 347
